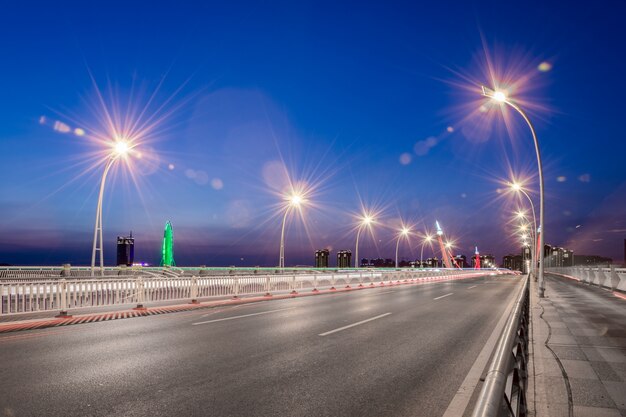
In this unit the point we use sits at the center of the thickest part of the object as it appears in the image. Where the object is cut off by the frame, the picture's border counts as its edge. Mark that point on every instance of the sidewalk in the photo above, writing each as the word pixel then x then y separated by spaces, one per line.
pixel 577 361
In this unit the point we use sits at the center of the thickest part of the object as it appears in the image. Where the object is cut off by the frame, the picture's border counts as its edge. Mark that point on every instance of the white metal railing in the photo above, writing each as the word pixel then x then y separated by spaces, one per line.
pixel 504 390
pixel 19 295
pixel 612 278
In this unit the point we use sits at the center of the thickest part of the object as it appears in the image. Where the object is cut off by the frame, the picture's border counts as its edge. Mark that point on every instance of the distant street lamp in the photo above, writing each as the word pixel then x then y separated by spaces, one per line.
pixel 517 187
pixel 428 239
pixel 366 221
pixel 500 97
pixel 293 201
pixel 120 149
pixel 403 233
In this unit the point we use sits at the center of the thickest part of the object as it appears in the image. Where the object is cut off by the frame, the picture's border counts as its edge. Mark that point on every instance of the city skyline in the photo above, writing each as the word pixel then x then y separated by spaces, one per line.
pixel 374 118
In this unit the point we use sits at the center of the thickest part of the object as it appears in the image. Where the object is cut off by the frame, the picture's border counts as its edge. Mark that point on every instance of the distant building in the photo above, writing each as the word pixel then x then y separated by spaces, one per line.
pixel 591 260
pixel 344 259
pixel 433 262
pixel 507 261
pixel 125 250
pixel 461 261
pixel 558 257
pixel 321 258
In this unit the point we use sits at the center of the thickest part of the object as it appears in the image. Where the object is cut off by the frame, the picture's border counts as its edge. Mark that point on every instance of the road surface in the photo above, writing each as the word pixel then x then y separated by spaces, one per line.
pixel 390 351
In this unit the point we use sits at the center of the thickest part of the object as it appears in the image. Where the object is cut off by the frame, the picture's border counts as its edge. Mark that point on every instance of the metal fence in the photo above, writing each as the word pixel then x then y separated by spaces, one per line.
pixel 611 278
pixel 504 390
pixel 28 293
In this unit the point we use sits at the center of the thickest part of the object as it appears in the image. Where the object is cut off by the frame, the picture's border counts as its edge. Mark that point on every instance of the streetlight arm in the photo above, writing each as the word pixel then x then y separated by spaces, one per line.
pixel 397 246
pixel 356 249
pixel 281 261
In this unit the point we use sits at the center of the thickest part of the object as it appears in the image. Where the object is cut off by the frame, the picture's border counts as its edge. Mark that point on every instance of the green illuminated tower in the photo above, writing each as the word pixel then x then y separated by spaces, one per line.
pixel 167 258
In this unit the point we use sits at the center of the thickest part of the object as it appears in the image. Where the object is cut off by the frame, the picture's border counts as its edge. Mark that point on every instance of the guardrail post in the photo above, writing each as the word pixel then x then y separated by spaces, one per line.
pixel 236 289
pixel 139 288
pixel 613 278
pixel 194 290
pixel 67 270
pixel 267 286
pixel 62 290
pixel 315 283
pixel 293 285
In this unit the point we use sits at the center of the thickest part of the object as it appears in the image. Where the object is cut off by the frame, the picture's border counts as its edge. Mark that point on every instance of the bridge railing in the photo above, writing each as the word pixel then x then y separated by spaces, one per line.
pixel 612 278
pixel 65 293
pixel 67 271
pixel 504 390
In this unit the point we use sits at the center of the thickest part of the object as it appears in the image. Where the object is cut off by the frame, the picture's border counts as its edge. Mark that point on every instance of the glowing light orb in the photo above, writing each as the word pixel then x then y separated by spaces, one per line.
pixel 405 158
pixel 544 66
pixel 295 200
pixel 499 96
pixel 217 184
pixel 121 148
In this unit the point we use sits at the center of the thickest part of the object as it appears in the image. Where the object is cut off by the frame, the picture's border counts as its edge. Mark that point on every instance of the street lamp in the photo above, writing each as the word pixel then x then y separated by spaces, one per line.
pixel 403 233
pixel 427 238
pixel 367 220
pixel 293 201
pixel 517 187
pixel 120 149
pixel 500 97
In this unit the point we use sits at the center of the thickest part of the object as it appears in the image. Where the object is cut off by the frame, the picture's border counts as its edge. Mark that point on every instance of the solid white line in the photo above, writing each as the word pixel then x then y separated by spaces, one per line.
pixel 463 395
pixel 443 296
pixel 240 317
pixel 353 324
pixel 473 286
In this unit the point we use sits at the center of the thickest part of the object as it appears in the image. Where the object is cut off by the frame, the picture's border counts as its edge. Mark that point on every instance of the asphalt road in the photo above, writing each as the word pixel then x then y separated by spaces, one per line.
pixel 392 351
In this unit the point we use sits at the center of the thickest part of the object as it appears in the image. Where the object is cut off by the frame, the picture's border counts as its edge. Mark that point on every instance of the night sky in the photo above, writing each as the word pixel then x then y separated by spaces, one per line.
pixel 373 106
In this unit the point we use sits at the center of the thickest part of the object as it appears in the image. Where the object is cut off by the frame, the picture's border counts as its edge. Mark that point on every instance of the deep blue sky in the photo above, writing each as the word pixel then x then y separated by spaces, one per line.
pixel 336 91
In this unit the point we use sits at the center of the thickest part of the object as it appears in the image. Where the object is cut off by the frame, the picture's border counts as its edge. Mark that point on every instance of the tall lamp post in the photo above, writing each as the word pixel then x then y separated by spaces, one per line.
pixel 500 97
pixel 120 150
pixel 427 238
pixel 518 188
pixel 533 237
pixel 294 201
pixel 403 233
pixel 365 221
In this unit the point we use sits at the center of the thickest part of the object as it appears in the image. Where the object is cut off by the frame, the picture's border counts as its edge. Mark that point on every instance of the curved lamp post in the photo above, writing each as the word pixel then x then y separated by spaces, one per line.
pixel 500 97
pixel 403 233
pixel 120 150
pixel 428 239
pixel 518 188
pixel 294 201
pixel 365 221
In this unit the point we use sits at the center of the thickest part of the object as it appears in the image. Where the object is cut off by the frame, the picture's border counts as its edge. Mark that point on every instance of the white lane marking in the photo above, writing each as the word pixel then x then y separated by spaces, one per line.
pixel 242 316
pixel 443 296
pixel 353 324
pixel 473 286
pixel 463 395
